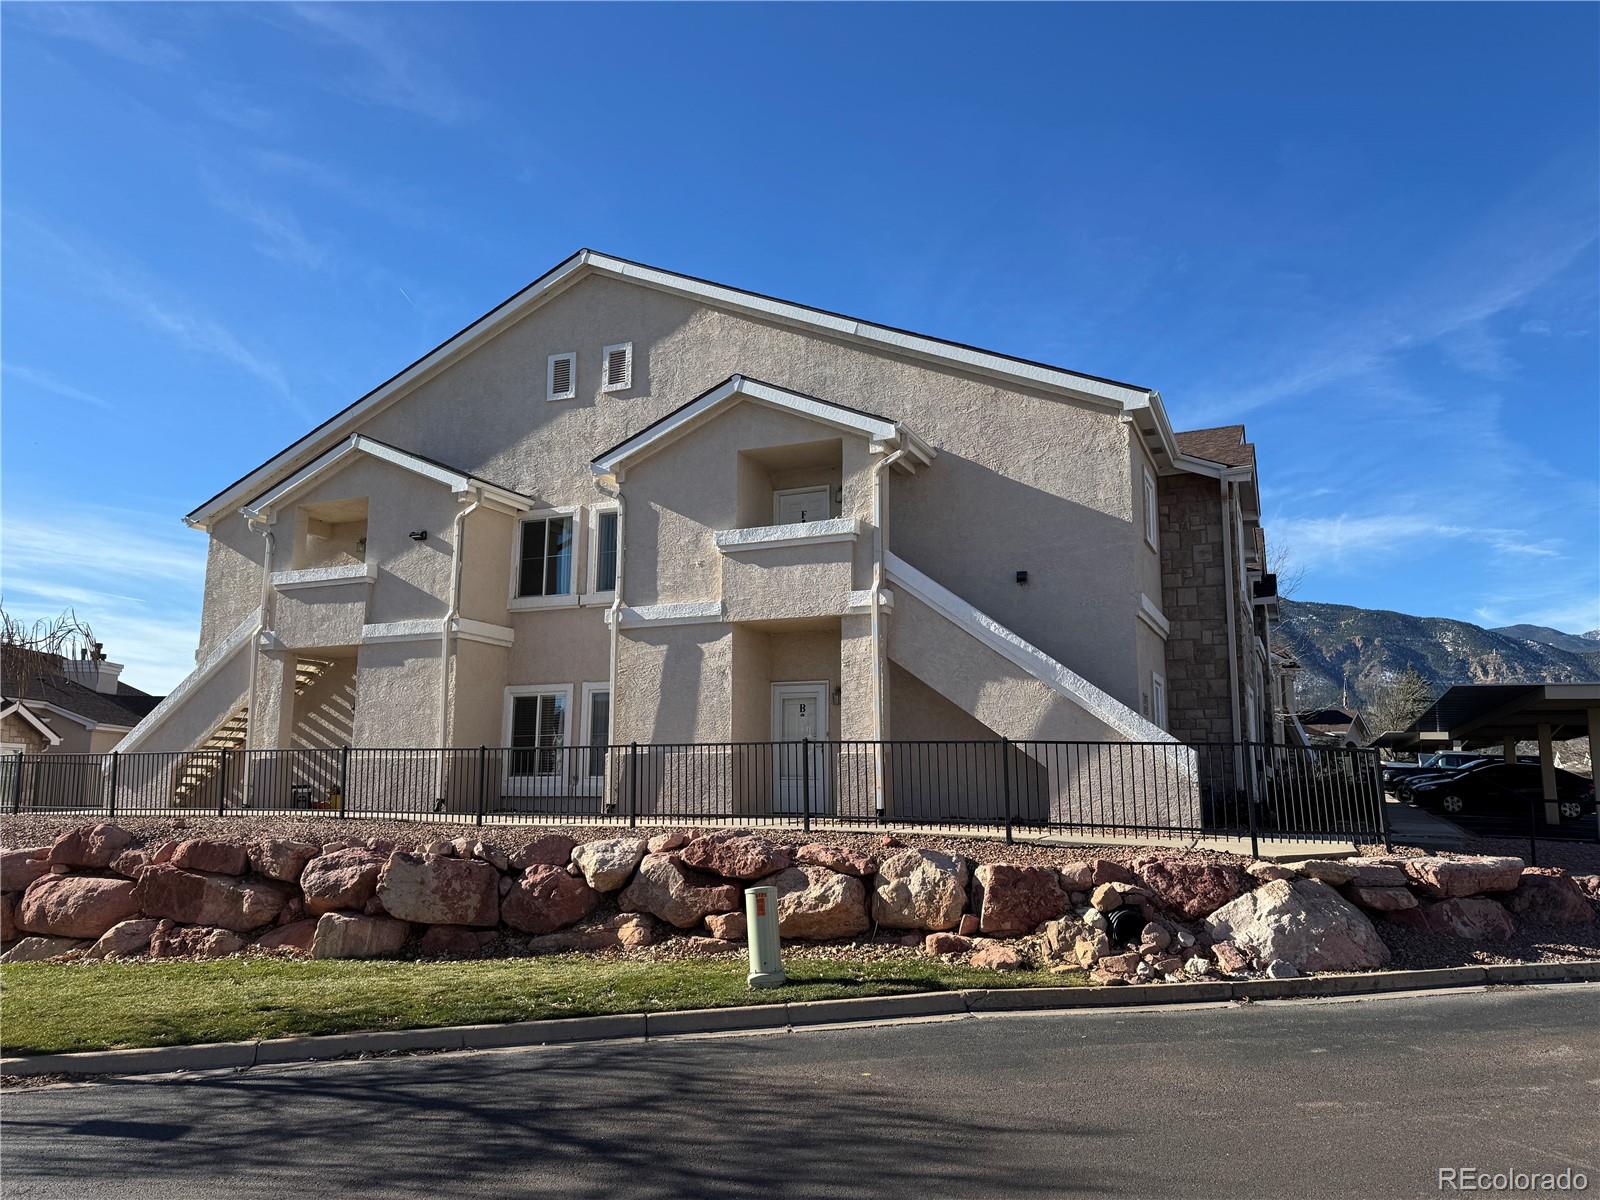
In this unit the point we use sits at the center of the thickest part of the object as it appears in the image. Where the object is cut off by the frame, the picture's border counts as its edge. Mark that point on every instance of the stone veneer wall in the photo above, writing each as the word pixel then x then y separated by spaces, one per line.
pixel 1193 577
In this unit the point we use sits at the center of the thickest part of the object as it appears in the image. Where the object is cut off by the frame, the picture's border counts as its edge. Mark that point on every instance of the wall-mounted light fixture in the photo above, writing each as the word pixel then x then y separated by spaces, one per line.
pixel 838 695
pixel 1022 577
pixel 419 535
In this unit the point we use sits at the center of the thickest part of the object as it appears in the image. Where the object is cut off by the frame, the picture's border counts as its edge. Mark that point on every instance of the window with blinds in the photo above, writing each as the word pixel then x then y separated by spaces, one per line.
pixel 599 734
pixel 605 552
pixel 538 732
pixel 545 565
pixel 617 367
pixel 561 377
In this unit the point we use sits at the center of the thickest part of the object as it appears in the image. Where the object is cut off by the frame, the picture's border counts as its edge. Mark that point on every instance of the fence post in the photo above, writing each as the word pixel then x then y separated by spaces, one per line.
pixel 1533 831
pixel 805 784
pixel 633 785
pixel 1250 807
pixel 344 781
pixel 1375 773
pixel 222 781
pixel 111 800
pixel 16 783
pixel 1005 770
pixel 483 780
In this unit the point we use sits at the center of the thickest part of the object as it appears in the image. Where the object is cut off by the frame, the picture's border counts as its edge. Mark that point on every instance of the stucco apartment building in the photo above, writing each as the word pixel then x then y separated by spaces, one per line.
pixel 628 505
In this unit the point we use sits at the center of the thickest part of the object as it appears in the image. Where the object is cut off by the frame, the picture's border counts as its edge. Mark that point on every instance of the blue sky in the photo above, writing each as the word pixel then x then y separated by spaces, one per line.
pixel 1367 231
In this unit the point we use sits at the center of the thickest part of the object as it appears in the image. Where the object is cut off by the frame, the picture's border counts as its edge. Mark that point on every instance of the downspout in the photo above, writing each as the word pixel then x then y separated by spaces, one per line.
pixel 262 525
pixel 616 608
pixel 1227 592
pixel 876 607
pixel 458 534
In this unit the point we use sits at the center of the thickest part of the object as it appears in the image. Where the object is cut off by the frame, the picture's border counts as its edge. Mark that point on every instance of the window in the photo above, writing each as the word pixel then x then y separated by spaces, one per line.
pixel 538 732
pixel 605 550
pixel 545 561
pixel 1158 699
pixel 561 377
pixel 596 727
pixel 1152 513
pixel 618 368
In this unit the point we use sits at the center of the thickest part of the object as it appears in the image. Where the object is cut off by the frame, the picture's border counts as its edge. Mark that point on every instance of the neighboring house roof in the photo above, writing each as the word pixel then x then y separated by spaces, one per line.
pixel 736 388
pixel 1141 402
pixel 1331 717
pixel 17 709
pixel 71 699
pixel 359 443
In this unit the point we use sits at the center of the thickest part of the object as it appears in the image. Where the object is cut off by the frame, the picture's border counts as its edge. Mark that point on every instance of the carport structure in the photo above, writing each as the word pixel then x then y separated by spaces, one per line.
pixel 1475 716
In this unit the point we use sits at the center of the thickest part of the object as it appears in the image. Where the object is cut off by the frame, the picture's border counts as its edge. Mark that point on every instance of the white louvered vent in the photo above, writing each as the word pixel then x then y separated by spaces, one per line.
pixel 618 368
pixel 562 377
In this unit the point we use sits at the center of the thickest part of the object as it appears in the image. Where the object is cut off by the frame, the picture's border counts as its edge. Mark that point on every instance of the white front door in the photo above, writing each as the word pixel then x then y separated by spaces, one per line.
pixel 796 506
pixel 799 711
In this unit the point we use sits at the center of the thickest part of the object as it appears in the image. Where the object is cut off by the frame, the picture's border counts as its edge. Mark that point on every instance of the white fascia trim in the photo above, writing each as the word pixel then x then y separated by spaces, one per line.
pixel 882 434
pixel 76 718
pixel 1152 616
pixel 807 533
pixel 1054 675
pixel 16 708
pixel 243 634
pixel 563 275
pixel 321 576
pixel 687 612
pixel 469 630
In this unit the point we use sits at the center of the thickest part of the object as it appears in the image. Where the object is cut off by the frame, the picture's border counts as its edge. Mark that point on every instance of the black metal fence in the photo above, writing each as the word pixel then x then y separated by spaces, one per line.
pixel 1130 789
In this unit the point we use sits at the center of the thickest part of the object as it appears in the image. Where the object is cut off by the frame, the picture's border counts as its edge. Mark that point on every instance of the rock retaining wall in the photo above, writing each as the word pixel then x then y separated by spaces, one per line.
pixel 93 894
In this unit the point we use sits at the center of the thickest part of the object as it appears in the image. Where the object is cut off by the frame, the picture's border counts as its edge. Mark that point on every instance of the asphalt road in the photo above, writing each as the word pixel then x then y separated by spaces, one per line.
pixel 1289 1099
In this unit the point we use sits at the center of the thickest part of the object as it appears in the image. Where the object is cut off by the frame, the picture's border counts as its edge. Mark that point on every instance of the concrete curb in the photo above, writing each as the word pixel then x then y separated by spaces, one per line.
pixel 779 1015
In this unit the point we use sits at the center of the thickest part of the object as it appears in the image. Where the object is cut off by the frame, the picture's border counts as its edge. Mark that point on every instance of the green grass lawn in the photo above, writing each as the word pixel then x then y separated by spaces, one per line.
pixel 47 1008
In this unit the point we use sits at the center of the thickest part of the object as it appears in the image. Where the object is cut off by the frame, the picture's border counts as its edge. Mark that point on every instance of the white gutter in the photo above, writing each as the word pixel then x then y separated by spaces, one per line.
pixel 1227 592
pixel 615 615
pixel 458 535
pixel 270 538
pixel 875 603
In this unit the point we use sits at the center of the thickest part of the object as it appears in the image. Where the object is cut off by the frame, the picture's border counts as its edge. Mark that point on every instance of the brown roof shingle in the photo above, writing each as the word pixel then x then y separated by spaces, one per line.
pixel 1223 444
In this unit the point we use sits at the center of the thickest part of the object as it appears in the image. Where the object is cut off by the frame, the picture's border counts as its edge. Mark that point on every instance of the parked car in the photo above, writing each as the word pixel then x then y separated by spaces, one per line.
pixel 1407 786
pixel 1396 773
pixel 1504 789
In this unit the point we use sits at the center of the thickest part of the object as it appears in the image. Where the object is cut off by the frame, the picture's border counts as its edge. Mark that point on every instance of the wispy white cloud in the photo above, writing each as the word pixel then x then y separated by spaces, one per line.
pixel 102 545
pixel 385 70
pixel 99 25
pixel 1345 540
pixel 279 234
pixel 1535 327
pixel 46 382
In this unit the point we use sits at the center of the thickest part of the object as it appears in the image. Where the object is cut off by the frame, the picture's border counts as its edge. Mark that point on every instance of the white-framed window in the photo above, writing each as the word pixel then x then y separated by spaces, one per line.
pixel 1158 698
pixel 603 546
pixel 561 376
pixel 596 728
pixel 1152 511
pixel 544 556
pixel 616 368
pixel 538 722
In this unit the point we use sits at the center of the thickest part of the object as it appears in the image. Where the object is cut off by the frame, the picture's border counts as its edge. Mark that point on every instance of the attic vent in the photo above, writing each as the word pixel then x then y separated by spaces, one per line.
pixel 562 377
pixel 618 368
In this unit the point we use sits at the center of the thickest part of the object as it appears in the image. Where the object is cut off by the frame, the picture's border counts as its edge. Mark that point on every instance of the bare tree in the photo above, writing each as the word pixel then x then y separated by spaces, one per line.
pixel 1400 702
pixel 33 648
pixel 1280 562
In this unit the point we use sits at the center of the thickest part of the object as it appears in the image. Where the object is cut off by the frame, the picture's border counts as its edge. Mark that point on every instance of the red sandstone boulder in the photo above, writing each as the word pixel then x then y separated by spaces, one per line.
pixel 920 889
pixel 195 899
pixel 1229 958
pixel 607 864
pixel 815 903
pixel 344 879
pixel 1191 889
pixel 1381 899
pixel 730 927
pixel 125 939
pixel 40 949
pixel 1086 876
pixel 347 935
pixel 946 943
pixel 546 898
pixel 1547 896
pixel 296 936
pixel 666 843
pixel 129 863
pixel 997 956
pixel 208 854
pixel 19 868
pixel 1016 900
pixel 1589 885
pixel 837 858
pixel 1471 918
pixel 453 941
pixel 429 890
pixel 281 858
pixel 193 941
pixel 734 855
pixel 548 850
pixel 664 889
pixel 1465 876
pixel 90 846
pixel 75 906
pixel 1304 922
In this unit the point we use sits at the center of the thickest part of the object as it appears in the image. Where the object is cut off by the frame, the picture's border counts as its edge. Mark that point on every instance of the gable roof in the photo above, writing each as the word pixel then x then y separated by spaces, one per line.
pixel 1221 444
pixel 884 433
pixel 18 709
pixel 359 443
pixel 122 709
pixel 1090 388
